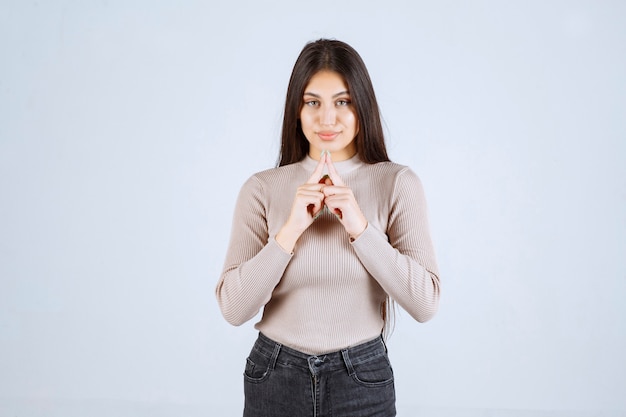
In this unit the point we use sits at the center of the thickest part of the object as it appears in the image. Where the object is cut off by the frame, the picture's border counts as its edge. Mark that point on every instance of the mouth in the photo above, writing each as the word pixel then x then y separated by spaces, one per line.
pixel 327 135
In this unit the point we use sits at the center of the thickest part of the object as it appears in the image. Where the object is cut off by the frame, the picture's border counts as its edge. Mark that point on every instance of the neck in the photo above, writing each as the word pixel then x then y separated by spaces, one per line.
pixel 336 157
pixel 343 166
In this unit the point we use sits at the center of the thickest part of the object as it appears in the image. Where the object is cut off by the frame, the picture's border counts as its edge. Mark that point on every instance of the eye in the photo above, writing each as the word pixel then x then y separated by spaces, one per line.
pixel 311 103
pixel 343 102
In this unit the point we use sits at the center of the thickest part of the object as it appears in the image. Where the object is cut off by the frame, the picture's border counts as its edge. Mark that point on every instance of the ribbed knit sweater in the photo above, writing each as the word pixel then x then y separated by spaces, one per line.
pixel 326 295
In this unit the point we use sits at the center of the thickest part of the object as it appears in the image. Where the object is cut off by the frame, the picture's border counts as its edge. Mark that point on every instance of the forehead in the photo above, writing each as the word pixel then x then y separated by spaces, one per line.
pixel 326 81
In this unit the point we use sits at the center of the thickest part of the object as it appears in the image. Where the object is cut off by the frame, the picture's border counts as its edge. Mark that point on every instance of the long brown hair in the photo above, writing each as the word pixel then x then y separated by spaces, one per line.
pixel 337 56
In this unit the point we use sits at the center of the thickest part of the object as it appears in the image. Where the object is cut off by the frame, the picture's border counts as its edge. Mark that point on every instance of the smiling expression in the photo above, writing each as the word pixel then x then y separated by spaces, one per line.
pixel 328 118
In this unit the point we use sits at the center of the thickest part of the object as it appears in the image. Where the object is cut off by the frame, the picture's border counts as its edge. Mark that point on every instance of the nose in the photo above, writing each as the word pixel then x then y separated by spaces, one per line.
pixel 328 115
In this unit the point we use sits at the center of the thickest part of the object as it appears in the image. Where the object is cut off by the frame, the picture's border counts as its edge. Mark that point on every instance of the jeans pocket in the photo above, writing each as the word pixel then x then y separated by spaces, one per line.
pixel 376 372
pixel 257 367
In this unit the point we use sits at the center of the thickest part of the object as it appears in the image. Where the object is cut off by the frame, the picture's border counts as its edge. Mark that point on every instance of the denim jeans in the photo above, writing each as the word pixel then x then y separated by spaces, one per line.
pixel 354 382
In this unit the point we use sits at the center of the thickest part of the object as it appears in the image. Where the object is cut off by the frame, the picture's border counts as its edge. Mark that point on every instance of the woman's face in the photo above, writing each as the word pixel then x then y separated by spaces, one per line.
pixel 328 118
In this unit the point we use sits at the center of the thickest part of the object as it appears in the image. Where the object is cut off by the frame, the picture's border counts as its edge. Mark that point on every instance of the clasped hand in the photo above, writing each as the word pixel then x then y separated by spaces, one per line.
pixel 318 192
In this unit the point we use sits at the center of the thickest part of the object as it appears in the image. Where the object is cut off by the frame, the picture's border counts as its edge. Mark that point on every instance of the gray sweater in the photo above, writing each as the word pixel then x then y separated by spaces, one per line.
pixel 327 294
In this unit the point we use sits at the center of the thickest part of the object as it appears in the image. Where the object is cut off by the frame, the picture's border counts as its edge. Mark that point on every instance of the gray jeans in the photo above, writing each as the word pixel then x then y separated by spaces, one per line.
pixel 354 382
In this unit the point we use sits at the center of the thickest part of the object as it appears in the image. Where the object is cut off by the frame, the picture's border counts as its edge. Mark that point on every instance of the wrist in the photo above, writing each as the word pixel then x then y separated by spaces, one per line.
pixel 355 236
pixel 287 238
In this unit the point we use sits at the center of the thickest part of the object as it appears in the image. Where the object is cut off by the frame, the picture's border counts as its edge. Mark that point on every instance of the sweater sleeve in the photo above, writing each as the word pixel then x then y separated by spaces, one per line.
pixel 402 258
pixel 254 261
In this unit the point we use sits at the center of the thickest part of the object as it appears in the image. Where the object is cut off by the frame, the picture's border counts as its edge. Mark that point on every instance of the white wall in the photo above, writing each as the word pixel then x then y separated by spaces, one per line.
pixel 127 128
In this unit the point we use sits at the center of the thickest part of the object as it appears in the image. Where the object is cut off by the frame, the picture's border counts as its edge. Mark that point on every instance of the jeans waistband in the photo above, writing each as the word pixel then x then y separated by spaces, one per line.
pixel 344 358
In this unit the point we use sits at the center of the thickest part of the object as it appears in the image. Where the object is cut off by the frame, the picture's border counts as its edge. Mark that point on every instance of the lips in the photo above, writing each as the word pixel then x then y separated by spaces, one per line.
pixel 327 135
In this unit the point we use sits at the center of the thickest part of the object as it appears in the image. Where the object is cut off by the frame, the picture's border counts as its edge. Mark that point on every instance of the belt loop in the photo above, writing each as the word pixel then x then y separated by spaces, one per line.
pixel 346 360
pixel 277 347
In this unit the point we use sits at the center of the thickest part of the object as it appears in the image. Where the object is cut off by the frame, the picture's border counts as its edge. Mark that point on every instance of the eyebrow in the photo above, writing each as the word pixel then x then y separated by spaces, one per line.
pixel 341 93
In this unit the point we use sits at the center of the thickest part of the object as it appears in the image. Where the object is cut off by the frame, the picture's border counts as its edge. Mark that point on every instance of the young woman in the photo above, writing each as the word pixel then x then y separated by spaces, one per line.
pixel 324 243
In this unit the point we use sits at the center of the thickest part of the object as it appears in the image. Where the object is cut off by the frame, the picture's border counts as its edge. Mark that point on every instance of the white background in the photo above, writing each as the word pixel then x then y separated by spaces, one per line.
pixel 127 128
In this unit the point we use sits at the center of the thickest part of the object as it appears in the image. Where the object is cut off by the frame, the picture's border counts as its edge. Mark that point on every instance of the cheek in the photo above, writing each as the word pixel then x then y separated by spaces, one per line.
pixel 354 122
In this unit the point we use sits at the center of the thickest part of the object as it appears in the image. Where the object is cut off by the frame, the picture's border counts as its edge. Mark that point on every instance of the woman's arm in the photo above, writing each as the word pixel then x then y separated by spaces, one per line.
pixel 254 262
pixel 402 260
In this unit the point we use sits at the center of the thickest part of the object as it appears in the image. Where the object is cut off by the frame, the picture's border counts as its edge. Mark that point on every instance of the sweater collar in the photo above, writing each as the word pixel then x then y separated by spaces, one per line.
pixel 342 167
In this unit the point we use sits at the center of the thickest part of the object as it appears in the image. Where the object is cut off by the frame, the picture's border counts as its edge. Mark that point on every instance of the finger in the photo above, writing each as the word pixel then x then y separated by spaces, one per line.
pixel 314 209
pixel 318 171
pixel 315 188
pixel 308 197
pixel 332 172
pixel 335 208
pixel 331 190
